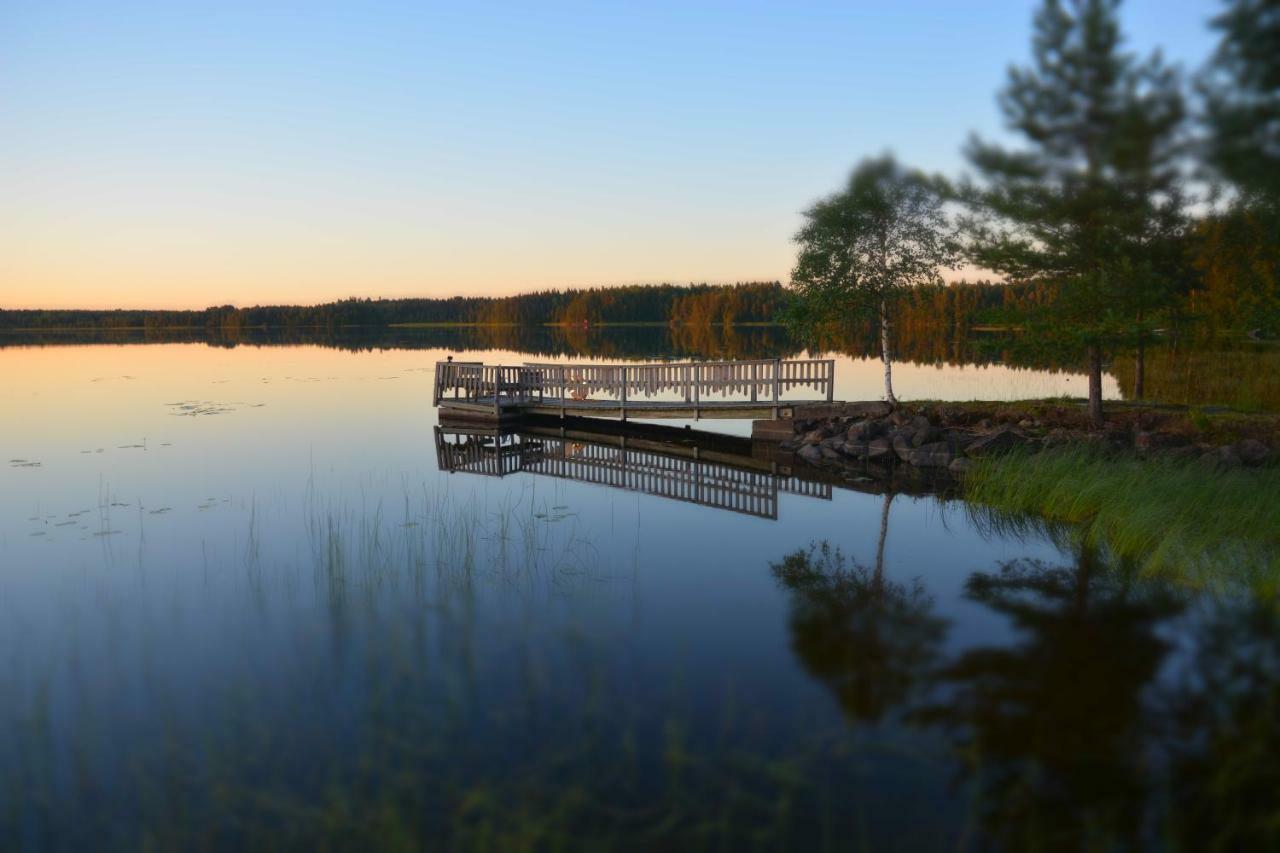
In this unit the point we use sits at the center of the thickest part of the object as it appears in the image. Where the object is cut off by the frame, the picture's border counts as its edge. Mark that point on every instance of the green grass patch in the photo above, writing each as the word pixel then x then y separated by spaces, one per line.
pixel 1162 516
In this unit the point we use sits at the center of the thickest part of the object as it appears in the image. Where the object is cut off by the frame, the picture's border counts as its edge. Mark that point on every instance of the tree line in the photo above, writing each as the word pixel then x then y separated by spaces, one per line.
pixel 744 302
pixel 1134 201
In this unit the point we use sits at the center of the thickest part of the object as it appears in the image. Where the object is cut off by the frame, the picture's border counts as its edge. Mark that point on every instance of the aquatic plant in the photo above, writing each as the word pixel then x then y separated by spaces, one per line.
pixel 1165 516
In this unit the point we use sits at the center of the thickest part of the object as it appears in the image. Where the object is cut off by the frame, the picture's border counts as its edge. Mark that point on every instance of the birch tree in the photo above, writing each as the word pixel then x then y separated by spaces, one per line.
pixel 885 232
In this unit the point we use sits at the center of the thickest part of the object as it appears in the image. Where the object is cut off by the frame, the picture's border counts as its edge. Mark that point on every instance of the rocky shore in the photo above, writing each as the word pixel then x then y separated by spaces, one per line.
pixel 938 438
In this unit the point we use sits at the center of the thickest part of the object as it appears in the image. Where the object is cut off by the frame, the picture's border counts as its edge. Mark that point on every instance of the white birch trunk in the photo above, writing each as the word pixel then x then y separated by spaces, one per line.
pixel 885 353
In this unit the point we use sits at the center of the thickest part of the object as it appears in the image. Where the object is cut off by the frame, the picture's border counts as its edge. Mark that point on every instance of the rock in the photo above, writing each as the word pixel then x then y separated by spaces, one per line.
pixel 902 447
pixel 927 435
pixel 879 448
pixel 920 422
pixel 984 425
pixel 960 465
pixel 810 453
pixel 866 430
pixel 1058 437
pixel 1252 452
pixel 1186 451
pixel 998 441
pixel 1026 423
pixel 936 455
pixel 948 415
pixel 830 452
pixel 857 449
pixel 813 437
pixel 1148 440
pixel 833 442
pixel 1221 458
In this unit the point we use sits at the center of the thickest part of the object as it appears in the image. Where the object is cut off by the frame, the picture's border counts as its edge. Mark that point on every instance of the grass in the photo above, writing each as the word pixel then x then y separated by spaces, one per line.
pixel 1168 517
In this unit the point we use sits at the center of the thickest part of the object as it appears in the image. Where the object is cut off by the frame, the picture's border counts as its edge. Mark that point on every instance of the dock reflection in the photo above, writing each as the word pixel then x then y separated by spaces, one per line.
pixel 702 468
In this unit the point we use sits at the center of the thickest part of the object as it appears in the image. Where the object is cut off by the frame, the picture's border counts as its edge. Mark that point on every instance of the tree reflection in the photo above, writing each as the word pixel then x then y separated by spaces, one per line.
pixel 1052 726
pixel 869 639
pixel 1225 733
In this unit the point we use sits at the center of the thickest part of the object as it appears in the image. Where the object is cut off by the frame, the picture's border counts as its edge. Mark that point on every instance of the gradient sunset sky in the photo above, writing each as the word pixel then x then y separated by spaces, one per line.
pixel 189 154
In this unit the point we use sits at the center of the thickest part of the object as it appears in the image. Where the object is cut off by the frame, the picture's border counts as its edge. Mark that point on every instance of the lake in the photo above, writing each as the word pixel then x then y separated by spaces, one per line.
pixel 250 601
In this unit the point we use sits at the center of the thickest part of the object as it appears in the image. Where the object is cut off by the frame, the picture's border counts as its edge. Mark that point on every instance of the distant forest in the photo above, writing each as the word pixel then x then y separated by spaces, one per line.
pixel 951 306
pixel 751 302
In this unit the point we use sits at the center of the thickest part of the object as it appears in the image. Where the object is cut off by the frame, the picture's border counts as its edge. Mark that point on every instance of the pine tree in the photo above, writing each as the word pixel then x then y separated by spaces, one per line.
pixel 1091 202
pixel 1242 88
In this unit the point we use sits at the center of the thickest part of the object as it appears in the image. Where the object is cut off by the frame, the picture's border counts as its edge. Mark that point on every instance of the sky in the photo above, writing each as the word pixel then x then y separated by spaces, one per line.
pixel 180 155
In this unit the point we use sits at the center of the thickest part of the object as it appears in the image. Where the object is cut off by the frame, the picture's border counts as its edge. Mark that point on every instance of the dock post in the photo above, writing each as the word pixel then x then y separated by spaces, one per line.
pixel 623 371
pixel 697 391
pixel 777 385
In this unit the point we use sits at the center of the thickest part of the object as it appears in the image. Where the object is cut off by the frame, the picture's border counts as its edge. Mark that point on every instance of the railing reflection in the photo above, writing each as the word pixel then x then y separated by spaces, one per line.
pixel 674 471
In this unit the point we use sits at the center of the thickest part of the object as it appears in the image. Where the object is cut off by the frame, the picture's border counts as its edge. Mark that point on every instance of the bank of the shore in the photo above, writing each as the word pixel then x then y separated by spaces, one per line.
pixel 1164 489
pixel 951 436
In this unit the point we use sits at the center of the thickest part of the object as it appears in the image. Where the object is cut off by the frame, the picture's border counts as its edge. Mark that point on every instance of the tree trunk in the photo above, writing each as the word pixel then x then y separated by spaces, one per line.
pixel 1140 370
pixel 885 354
pixel 1095 386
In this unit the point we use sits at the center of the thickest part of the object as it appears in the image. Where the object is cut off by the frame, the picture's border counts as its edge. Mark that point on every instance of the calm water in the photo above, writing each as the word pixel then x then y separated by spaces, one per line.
pixel 242 606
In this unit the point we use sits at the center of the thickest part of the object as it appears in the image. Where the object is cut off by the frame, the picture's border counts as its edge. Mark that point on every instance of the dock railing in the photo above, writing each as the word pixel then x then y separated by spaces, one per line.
pixel 761 381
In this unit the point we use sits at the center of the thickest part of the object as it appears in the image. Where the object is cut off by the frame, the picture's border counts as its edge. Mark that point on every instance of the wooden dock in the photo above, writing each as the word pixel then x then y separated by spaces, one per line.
pixel 763 388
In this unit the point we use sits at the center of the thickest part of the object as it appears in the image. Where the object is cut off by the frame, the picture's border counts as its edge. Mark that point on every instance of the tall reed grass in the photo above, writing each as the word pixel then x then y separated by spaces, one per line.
pixel 1163 516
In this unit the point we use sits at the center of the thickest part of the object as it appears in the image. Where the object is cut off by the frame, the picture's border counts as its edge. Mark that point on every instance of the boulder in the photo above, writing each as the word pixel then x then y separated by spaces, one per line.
pixel 865 430
pixel 902 447
pixel 1252 452
pixel 1148 440
pixel 830 452
pixel 949 415
pixel 960 465
pixel 936 455
pixel 879 449
pixel 920 422
pixel 927 435
pixel 810 453
pixel 813 436
pixel 1221 458
pixel 1186 451
pixel 856 449
pixel 997 441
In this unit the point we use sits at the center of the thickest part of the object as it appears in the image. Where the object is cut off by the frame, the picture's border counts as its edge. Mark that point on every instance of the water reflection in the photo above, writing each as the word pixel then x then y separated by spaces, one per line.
pixel 700 468
pixel 1123 713
pixel 1051 728
pixel 872 641
pixel 306 633
pixel 1242 374
pixel 1224 731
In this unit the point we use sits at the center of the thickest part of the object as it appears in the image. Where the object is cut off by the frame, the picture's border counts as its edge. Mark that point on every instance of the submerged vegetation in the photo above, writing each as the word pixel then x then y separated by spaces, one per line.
pixel 1165 516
